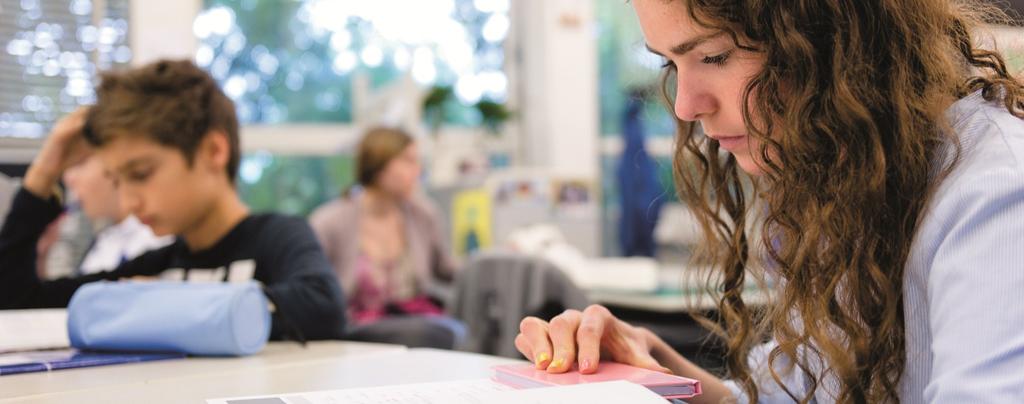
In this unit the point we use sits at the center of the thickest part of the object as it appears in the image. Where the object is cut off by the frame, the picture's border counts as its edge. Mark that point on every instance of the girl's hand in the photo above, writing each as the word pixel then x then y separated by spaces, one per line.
pixel 585 338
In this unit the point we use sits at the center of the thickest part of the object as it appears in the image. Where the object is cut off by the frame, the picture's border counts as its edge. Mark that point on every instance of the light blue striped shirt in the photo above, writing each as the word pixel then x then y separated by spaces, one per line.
pixel 964 284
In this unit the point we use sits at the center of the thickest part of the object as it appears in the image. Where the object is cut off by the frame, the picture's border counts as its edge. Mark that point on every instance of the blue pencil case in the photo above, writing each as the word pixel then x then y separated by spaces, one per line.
pixel 216 319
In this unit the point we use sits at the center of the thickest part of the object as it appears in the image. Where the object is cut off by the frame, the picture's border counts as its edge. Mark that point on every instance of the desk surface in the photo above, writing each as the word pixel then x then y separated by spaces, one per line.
pixel 281 368
pixel 668 302
pixel 683 290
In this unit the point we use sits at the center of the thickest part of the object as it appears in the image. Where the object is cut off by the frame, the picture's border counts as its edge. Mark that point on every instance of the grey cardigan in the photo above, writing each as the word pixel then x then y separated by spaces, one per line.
pixel 497 289
pixel 336 225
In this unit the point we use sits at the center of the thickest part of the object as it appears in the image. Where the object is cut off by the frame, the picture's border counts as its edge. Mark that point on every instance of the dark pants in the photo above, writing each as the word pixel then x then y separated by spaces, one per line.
pixel 412 331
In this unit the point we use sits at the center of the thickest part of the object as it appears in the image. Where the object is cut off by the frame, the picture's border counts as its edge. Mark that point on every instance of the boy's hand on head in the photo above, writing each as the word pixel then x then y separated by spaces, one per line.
pixel 64 148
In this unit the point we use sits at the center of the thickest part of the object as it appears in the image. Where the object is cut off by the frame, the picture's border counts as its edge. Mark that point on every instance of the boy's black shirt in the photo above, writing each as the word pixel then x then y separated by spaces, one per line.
pixel 279 251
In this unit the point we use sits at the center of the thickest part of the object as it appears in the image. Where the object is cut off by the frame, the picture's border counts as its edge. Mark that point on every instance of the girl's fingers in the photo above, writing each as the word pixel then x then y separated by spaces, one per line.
pixel 562 332
pixel 589 336
pixel 535 335
pixel 523 345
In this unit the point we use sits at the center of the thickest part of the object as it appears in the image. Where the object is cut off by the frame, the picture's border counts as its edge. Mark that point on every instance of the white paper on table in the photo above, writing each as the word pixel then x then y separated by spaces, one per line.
pixel 480 391
pixel 592 393
pixel 28 330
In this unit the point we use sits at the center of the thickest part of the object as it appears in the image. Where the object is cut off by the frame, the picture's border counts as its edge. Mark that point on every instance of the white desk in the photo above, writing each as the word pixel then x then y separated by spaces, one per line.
pixel 281 367
pixel 387 368
pixel 668 303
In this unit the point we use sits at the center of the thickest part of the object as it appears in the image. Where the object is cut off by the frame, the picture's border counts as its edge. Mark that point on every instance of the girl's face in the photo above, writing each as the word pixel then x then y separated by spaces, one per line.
pixel 711 74
pixel 95 190
pixel 401 174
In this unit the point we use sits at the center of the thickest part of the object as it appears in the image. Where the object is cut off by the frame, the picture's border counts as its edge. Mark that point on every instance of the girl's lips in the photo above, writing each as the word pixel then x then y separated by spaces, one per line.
pixel 731 143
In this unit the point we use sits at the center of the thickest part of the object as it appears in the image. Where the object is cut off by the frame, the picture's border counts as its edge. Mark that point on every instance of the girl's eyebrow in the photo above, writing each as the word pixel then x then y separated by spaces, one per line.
pixel 687 46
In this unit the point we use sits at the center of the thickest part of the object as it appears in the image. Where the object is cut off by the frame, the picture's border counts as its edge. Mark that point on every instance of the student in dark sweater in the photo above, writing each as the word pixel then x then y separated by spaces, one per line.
pixel 168 136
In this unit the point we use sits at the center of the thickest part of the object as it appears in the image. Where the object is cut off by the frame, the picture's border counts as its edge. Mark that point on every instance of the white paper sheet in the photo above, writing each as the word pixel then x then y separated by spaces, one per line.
pixel 27 330
pixel 481 391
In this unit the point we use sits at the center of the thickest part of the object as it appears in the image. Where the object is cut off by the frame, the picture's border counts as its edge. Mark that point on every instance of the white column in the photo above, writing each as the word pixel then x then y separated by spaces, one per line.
pixel 557 56
pixel 162 29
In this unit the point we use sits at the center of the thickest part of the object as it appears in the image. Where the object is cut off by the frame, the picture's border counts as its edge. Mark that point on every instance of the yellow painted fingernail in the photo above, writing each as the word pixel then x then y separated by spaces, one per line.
pixel 556 364
pixel 542 357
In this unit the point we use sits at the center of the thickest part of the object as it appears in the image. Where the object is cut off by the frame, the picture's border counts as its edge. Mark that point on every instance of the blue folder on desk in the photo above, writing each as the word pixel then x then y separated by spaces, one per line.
pixel 42 361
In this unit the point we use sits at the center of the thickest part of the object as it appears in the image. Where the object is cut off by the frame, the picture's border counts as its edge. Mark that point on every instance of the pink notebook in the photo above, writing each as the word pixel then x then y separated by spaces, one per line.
pixel 525 376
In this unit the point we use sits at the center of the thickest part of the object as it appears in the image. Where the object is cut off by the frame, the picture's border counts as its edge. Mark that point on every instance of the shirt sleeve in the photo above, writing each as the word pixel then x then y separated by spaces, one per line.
pixel 20 286
pixel 769 391
pixel 301 284
pixel 443 265
pixel 974 283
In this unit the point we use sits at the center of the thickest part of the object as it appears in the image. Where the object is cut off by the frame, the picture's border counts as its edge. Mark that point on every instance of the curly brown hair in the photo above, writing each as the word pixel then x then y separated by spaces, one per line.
pixel 853 93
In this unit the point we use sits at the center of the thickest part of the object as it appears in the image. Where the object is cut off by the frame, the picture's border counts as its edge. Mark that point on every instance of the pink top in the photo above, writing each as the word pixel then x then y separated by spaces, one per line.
pixel 373 290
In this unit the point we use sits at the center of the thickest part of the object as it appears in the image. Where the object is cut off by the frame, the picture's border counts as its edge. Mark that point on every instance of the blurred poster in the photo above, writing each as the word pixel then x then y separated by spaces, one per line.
pixel 471 222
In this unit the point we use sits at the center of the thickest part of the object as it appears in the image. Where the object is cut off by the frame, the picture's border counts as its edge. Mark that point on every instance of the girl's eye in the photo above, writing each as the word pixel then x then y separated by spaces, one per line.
pixel 718 60
pixel 668 64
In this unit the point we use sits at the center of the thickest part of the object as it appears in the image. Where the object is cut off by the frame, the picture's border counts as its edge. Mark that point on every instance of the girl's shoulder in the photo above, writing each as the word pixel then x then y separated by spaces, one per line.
pixel 340 209
pixel 991 143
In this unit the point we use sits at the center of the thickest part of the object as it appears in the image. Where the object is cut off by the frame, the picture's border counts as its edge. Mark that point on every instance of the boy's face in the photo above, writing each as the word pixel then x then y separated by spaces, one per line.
pixel 156 184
